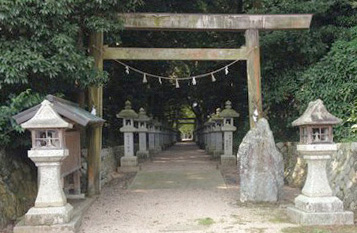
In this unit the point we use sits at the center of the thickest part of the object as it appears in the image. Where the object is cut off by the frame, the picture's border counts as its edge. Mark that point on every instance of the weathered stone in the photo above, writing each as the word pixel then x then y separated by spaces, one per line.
pixel 261 166
pixel 49 216
pixel 80 207
pixel 325 218
pixel 18 187
pixel 317 205
pixel 127 161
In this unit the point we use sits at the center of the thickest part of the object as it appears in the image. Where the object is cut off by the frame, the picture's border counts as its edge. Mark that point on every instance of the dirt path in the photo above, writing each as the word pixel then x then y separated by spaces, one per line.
pixel 180 190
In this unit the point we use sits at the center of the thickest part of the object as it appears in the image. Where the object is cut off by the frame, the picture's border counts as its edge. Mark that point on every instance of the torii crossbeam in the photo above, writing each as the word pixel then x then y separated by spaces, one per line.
pixel 250 24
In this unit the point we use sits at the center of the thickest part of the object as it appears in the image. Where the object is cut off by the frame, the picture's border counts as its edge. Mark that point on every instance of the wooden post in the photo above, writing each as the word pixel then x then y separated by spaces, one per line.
pixel 253 76
pixel 95 100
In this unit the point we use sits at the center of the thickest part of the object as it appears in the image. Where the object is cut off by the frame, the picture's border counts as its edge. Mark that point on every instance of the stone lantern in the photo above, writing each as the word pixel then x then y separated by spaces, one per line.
pixel 151 132
pixel 157 132
pixel 228 115
pixel 209 137
pixel 316 205
pixel 128 115
pixel 217 132
pixel 142 130
pixel 48 151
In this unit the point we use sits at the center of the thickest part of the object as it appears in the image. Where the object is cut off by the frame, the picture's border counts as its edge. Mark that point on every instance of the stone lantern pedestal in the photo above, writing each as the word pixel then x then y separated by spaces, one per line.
pixel 228 159
pixel 316 205
pixel 128 162
pixel 210 140
pixel 219 143
pixel 142 130
pixel 51 205
pixel 151 132
pixel 157 136
pixel 142 152
pixel 217 134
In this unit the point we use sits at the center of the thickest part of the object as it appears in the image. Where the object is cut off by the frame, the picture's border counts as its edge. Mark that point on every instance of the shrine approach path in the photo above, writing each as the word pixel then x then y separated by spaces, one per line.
pixel 180 190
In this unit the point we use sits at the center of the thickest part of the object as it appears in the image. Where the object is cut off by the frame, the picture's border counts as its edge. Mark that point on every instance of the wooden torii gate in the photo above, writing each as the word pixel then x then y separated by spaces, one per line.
pixel 250 24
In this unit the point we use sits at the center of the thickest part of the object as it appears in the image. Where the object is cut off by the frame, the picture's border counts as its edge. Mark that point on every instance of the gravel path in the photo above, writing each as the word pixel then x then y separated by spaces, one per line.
pixel 180 190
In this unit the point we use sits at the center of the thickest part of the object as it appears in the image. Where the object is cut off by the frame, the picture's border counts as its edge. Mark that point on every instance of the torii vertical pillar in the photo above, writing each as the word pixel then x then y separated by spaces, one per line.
pixel 253 73
pixel 95 101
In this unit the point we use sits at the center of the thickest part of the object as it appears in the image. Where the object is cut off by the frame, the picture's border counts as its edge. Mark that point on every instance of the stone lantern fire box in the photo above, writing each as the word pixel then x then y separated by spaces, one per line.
pixel 56 151
pixel 317 205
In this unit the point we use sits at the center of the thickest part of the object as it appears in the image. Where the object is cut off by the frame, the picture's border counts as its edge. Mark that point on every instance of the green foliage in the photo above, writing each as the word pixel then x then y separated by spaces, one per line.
pixel 353 118
pixel 334 80
pixel 43 47
pixel 186 112
pixel 14 105
pixel 300 66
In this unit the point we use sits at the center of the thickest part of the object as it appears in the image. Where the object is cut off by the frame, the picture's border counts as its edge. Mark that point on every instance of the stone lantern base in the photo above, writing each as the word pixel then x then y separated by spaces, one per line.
pixel 217 153
pixel 129 164
pixel 69 227
pixel 142 154
pixel 228 160
pixel 49 215
pixel 319 211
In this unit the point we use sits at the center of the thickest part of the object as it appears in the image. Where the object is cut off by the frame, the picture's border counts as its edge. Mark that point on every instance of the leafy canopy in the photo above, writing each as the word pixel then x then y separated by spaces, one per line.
pixel 44 48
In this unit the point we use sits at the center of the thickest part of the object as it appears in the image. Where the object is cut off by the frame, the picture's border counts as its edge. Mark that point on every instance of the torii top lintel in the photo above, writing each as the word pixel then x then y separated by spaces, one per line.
pixel 213 22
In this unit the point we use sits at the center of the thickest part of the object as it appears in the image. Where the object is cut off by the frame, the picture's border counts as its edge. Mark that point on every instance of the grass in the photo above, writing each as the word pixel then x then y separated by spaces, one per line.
pixel 279 216
pixel 321 229
pixel 205 221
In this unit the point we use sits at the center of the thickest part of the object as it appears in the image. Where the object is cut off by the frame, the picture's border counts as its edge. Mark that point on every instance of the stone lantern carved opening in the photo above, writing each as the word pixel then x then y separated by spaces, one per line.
pixel 49 139
pixel 320 134
pixel 128 122
pixel 316 134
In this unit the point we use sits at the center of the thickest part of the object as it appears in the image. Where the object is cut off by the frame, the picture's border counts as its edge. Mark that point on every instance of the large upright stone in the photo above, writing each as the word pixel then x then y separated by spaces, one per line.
pixel 261 166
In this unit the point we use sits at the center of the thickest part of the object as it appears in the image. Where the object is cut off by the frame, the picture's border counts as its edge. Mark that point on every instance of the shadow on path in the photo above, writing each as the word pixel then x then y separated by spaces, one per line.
pixel 179 190
pixel 182 166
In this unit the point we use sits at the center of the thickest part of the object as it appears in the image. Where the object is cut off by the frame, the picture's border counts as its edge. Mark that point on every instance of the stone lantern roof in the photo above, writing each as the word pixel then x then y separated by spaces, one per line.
pixel 46 117
pixel 142 117
pixel 64 108
pixel 228 112
pixel 217 116
pixel 316 114
pixel 155 122
pixel 210 121
pixel 128 112
pixel 207 123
